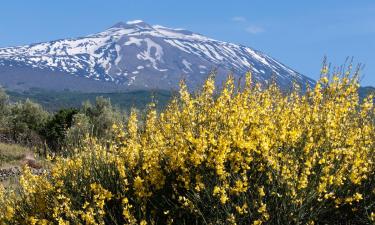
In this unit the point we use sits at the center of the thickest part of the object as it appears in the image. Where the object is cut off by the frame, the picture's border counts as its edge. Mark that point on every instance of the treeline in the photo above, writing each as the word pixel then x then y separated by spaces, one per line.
pixel 55 100
pixel 27 123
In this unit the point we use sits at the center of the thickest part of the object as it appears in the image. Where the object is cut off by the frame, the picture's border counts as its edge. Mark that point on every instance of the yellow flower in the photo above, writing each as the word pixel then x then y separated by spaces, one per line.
pixel 233 147
pixel 357 196
pixel 9 212
pixel 261 192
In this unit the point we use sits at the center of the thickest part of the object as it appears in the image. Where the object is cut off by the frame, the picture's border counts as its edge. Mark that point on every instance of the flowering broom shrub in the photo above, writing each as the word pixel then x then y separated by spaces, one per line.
pixel 248 155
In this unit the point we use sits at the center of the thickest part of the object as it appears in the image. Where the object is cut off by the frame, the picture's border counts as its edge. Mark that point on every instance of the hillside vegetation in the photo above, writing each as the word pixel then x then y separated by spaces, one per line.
pixel 27 123
pixel 56 100
pixel 11 154
pixel 248 155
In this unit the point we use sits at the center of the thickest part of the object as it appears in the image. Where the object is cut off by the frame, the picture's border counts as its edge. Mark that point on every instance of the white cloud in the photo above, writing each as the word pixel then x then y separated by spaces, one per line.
pixel 254 29
pixel 239 19
pixel 249 27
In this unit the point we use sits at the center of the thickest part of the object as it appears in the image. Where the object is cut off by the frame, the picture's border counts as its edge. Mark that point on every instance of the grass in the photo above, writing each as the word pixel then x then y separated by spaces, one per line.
pixel 12 154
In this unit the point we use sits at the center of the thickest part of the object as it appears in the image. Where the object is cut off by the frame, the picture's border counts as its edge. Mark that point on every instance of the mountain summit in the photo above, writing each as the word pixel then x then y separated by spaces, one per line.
pixel 135 56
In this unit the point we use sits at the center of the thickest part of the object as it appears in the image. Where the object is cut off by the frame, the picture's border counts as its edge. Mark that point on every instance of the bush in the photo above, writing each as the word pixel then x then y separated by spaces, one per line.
pixel 4 106
pixel 26 122
pixel 102 116
pixel 92 120
pixel 67 128
pixel 77 133
pixel 55 129
pixel 251 156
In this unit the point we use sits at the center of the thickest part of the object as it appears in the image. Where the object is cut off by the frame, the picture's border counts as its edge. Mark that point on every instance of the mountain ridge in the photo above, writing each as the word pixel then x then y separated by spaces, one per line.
pixel 134 55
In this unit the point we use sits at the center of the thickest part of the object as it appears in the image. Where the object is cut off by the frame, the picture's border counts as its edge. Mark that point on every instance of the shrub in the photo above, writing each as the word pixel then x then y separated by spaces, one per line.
pixel 55 129
pixel 76 134
pixel 26 122
pixel 246 156
pixel 102 115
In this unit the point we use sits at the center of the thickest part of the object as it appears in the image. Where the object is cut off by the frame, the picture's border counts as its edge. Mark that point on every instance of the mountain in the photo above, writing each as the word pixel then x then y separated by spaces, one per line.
pixel 135 56
pixel 365 91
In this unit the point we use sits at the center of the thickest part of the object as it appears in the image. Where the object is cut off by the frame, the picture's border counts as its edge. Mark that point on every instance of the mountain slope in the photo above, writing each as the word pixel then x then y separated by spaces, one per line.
pixel 135 56
pixel 365 91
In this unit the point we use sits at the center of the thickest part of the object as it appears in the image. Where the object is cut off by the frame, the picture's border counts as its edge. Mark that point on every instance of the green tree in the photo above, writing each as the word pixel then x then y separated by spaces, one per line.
pixel 26 122
pixel 4 109
pixel 55 129
pixel 93 120
pixel 102 116
pixel 4 101
pixel 76 134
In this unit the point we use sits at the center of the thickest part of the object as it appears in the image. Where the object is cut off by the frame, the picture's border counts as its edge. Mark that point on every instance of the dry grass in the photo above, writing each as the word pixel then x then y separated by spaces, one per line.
pixel 12 155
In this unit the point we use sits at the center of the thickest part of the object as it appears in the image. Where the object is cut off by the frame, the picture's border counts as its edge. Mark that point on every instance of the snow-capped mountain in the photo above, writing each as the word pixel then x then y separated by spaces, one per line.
pixel 136 55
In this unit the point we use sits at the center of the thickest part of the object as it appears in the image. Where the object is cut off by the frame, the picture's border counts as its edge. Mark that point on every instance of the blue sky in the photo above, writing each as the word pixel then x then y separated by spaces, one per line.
pixel 297 33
